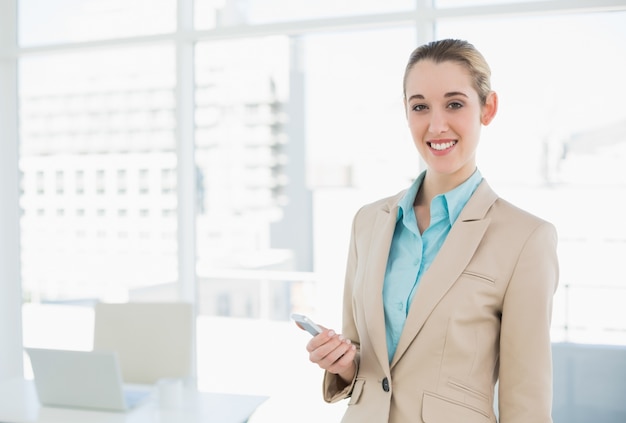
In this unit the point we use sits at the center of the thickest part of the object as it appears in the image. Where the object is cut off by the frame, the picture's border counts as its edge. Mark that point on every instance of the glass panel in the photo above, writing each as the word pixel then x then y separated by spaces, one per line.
pixel 63 21
pixel 222 13
pixel 558 147
pixel 287 148
pixel 355 115
pixel 241 96
pixel 99 219
pixel 467 3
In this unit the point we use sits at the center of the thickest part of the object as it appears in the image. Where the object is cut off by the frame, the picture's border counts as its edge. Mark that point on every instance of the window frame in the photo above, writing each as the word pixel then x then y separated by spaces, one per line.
pixel 424 17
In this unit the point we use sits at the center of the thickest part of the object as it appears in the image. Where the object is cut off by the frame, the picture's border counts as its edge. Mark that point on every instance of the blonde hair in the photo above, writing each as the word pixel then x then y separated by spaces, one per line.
pixel 458 51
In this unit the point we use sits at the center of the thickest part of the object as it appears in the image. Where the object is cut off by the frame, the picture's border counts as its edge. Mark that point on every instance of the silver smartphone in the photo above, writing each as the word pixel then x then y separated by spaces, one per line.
pixel 306 323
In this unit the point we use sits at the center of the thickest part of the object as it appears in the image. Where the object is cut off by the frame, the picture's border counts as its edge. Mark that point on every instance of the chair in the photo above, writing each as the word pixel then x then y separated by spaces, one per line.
pixel 589 383
pixel 153 340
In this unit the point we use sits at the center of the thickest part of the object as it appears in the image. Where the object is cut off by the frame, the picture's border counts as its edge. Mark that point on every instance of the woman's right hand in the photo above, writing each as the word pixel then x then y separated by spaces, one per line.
pixel 333 353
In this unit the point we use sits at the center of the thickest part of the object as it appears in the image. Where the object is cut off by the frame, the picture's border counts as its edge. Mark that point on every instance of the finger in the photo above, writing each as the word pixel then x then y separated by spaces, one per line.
pixel 328 345
pixel 344 361
pixel 319 340
pixel 329 358
pixel 324 355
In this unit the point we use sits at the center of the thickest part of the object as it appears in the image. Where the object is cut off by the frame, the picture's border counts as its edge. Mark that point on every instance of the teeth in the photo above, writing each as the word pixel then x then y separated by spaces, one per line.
pixel 442 146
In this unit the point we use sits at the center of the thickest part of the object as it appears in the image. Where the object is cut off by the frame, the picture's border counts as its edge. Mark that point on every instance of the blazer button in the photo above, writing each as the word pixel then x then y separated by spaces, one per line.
pixel 386 385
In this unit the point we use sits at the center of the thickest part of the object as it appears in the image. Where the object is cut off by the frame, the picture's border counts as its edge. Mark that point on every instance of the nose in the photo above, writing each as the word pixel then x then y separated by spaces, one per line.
pixel 438 123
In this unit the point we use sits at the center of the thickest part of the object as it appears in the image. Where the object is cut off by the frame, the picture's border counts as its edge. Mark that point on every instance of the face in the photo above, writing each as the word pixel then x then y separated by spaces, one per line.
pixel 445 116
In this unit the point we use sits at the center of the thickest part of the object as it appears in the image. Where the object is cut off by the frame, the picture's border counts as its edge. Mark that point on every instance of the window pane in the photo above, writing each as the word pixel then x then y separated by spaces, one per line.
pixel 214 14
pixel 241 157
pixel 247 268
pixel 467 3
pixel 285 146
pixel 63 21
pixel 558 147
pixel 97 134
pixel 355 117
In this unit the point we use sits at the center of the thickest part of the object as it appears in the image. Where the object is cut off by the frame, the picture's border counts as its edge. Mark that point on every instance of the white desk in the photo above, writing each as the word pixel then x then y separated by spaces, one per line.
pixel 19 404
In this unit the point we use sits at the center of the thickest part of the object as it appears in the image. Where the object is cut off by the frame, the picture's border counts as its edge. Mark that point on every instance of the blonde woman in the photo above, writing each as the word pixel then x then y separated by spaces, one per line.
pixel 448 287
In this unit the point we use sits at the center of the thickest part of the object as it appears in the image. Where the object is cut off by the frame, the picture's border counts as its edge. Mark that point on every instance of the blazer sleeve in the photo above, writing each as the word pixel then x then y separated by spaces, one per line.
pixel 334 388
pixel 525 384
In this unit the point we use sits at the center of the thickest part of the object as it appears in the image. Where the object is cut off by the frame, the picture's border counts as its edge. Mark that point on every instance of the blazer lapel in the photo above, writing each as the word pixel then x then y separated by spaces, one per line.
pixel 450 262
pixel 374 275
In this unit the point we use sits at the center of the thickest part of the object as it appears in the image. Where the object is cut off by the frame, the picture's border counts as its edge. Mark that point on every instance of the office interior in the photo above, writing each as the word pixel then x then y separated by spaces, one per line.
pixel 213 153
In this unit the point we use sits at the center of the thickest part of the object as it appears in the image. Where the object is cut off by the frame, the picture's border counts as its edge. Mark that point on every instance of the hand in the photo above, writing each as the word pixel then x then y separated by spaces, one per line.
pixel 333 353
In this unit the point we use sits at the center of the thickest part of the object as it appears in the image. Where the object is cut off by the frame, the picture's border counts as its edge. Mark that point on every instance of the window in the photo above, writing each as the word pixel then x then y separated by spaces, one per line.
pixel 79 181
pixel 59 182
pixel 121 182
pixel 470 3
pixel 144 182
pixel 90 112
pixel 100 181
pixel 76 21
pixel 168 181
pixel 211 14
pixel 288 116
pixel 548 154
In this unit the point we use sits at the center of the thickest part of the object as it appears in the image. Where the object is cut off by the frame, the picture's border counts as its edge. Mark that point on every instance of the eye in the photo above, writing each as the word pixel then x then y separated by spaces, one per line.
pixel 419 107
pixel 455 105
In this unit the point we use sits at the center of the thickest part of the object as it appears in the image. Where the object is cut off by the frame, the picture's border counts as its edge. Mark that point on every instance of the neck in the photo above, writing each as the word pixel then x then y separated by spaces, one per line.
pixel 437 183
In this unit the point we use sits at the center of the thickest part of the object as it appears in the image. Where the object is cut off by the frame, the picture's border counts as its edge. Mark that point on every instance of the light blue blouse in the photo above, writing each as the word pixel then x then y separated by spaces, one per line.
pixel 412 253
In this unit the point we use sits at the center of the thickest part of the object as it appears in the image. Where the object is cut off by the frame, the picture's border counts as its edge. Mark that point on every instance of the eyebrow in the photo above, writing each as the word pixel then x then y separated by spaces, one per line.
pixel 446 95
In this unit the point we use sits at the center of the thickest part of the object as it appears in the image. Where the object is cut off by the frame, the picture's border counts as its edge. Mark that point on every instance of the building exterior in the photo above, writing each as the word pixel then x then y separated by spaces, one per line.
pixel 98 189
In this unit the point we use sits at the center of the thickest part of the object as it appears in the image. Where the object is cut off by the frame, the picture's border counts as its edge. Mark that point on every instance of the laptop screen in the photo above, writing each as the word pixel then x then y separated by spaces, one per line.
pixel 78 379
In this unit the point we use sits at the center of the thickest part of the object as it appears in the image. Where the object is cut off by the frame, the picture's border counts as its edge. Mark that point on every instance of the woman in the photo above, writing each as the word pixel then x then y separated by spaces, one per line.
pixel 448 287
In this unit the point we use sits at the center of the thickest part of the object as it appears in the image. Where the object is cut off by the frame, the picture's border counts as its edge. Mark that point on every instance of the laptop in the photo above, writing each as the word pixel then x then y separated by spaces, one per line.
pixel 83 379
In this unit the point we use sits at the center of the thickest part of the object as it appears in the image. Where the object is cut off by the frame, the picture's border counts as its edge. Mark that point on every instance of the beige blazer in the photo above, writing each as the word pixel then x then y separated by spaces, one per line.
pixel 481 314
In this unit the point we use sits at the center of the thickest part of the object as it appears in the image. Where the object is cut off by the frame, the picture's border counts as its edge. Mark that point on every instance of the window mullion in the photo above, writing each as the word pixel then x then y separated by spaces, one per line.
pixel 185 152
pixel 11 362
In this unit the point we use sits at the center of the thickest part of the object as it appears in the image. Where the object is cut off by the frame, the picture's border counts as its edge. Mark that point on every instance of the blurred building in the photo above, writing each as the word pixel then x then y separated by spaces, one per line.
pixel 99 197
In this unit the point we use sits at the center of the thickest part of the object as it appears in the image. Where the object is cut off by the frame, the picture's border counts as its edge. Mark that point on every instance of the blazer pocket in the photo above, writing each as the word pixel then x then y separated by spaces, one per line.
pixel 356 391
pixel 438 409
pixel 457 384
pixel 481 277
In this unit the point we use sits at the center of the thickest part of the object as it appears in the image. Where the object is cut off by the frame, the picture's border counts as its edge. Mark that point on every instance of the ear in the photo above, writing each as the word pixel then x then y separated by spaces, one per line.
pixel 489 109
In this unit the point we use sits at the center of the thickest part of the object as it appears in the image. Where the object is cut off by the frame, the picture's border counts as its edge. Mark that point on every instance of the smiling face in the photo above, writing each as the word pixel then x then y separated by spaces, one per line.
pixel 445 115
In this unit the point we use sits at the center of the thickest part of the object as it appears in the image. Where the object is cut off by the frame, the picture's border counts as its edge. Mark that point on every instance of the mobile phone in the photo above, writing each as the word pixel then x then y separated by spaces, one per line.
pixel 306 323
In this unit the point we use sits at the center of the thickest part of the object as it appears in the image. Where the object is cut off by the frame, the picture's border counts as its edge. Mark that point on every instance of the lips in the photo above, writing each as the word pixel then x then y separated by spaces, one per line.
pixel 442 145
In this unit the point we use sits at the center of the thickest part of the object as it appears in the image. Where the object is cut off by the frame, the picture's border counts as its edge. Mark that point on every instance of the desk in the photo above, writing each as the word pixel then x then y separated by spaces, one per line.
pixel 19 404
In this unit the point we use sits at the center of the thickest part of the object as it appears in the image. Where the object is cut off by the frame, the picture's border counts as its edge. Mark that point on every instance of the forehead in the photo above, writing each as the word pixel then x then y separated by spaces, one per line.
pixel 429 78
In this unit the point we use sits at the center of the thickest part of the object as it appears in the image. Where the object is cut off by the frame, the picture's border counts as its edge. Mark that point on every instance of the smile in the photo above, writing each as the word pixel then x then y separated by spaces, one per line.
pixel 442 145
